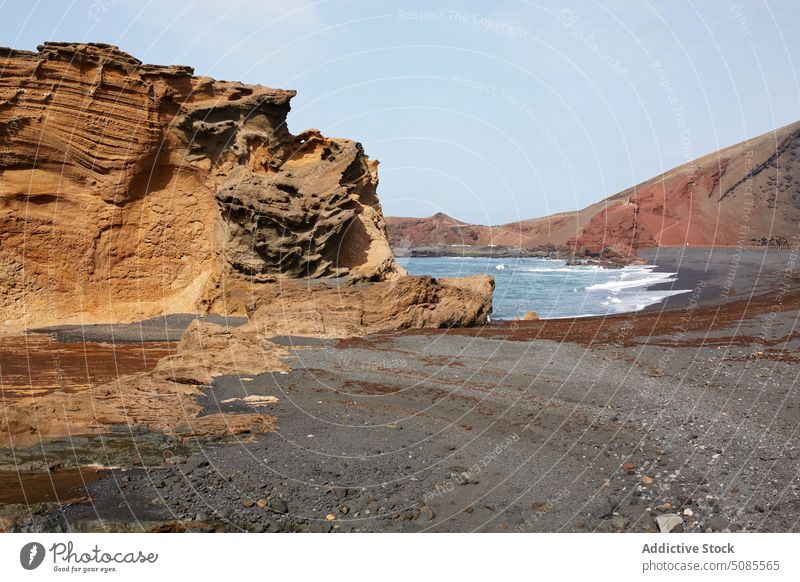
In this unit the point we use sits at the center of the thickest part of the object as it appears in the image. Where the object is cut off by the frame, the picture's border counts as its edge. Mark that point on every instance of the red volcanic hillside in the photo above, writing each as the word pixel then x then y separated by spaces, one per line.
pixel 744 194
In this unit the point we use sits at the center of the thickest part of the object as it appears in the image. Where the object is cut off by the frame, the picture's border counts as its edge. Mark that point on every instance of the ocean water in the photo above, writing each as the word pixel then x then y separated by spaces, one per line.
pixel 553 289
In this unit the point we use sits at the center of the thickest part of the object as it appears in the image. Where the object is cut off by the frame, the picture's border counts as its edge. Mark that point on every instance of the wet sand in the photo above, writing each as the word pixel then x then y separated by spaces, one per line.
pixel 65 486
pixel 592 424
pixel 37 364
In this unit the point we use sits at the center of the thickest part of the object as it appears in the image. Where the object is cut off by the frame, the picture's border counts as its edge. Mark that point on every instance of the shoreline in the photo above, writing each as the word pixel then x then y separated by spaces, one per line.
pixel 716 276
pixel 706 278
pixel 710 275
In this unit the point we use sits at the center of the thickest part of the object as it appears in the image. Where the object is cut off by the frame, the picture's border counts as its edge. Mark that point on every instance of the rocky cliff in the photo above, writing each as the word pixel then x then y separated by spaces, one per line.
pixel 128 190
pixel 746 194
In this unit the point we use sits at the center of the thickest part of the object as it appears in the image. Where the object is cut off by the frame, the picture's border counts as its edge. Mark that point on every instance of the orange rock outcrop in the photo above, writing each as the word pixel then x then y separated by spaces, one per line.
pixel 340 311
pixel 129 190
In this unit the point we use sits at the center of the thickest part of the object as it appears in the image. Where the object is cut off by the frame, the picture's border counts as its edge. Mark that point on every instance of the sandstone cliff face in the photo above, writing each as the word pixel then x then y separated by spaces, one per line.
pixel 747 194
pixel 129 190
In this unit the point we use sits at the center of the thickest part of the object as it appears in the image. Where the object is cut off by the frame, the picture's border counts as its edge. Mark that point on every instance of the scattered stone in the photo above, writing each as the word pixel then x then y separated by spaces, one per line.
pixel 688 512
pixel 647 480
pixel 718 523
pixel 602 509
pixel 427 513
pixel 278 505
pixel 175 460
pixel 668 522
pixel 619 522
pixel 468 479
pixel 539 506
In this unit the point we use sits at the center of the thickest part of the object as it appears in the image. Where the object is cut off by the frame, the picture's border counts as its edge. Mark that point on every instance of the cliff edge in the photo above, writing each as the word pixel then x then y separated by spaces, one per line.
pixel 129 190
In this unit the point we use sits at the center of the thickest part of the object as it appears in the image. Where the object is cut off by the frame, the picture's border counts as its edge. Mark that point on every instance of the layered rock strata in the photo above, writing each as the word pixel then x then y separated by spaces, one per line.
pixel 129 190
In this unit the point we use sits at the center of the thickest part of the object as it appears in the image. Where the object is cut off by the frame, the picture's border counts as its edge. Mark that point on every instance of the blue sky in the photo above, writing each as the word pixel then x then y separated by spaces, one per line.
pixel 488 111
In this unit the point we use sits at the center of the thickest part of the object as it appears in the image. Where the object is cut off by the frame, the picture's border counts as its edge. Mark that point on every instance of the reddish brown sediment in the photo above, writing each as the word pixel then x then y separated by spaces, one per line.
pixel 162 399
pixel 37 365
pixel 632 328
pixel 61 486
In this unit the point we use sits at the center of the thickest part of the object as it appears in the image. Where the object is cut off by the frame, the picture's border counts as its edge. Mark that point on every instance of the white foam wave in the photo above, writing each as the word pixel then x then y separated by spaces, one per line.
pixel 611 301
pixel 620 284
pixel 557 270
pixel 637 301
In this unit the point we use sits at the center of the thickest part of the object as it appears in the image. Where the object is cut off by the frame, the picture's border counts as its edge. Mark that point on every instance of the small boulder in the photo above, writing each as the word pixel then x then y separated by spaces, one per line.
pixel 619 522
pixel 668 522
pixel 278 505
pixel 718 523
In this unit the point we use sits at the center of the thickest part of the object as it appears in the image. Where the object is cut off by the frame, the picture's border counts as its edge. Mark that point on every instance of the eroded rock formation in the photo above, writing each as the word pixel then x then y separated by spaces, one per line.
pixel 324 310
pixel 128 190
pixel 163 400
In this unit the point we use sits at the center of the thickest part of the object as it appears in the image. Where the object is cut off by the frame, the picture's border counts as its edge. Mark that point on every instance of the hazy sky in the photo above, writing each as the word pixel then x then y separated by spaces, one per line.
pixel 489 111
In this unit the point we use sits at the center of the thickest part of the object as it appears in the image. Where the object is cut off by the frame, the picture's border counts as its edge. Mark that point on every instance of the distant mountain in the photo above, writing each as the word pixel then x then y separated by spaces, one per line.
pixel 746 194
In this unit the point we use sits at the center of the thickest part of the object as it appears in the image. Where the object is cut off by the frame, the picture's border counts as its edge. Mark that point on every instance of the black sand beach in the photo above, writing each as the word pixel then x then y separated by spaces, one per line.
pixel 717 275
pixel 598 424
